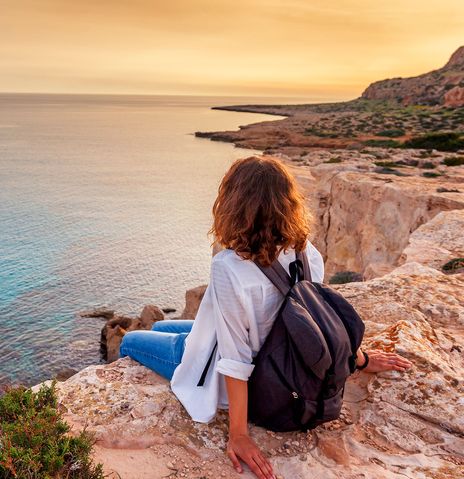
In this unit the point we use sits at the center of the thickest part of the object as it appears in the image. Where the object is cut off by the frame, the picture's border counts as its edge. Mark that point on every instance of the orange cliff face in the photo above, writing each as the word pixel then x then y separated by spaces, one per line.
pixel 444 86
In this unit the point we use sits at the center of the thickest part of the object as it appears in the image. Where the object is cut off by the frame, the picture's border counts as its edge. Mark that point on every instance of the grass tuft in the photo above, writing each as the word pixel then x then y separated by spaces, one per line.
pixel 343 277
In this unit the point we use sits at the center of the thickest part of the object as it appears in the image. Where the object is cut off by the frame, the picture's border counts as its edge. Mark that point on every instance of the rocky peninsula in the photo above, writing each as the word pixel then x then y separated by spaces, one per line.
pixel 387 114
pixel 393 218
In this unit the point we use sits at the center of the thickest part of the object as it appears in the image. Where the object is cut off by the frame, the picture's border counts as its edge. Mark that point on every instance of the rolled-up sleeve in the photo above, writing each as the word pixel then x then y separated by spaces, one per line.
pixel 231 320
pixel 316 263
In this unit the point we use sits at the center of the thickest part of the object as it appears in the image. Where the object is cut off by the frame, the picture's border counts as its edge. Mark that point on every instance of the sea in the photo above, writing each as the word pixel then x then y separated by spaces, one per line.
pixel 105 201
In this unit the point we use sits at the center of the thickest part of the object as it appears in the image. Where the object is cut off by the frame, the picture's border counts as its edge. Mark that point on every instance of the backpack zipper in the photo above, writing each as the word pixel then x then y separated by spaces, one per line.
pixel 282 379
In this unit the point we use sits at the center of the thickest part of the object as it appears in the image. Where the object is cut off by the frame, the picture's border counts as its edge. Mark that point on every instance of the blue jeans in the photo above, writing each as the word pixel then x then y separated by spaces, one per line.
pixel 161 348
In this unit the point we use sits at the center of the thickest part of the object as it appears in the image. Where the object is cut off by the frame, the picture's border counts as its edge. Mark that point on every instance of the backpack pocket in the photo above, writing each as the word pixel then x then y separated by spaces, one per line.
pixel 311 414
pixel 333 406
pixel 307 338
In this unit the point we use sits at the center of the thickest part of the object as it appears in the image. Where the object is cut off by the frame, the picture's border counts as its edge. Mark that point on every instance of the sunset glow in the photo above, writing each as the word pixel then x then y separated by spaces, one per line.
pixel 327 49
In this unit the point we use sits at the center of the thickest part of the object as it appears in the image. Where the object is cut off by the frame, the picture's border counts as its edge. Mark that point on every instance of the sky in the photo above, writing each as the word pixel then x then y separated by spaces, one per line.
pixel 328 49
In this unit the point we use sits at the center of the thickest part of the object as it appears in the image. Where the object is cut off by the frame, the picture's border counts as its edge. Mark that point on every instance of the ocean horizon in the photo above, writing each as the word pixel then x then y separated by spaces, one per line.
pixel 105 201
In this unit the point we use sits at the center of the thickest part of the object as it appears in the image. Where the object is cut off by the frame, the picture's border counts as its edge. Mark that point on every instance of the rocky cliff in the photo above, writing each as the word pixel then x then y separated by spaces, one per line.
pixel 444 86
pixel 393 425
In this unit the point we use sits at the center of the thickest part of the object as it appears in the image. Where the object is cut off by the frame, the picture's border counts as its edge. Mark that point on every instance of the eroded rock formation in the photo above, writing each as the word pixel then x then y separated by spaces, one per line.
pixel 433 88
pixel 365 220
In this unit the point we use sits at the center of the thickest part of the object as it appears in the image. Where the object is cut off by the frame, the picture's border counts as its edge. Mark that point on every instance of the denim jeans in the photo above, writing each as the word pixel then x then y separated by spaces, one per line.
pixel 161 348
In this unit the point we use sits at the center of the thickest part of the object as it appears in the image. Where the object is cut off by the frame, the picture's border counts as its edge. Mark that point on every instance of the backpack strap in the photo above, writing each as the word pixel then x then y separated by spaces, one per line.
pixel 303 257
pixel 201 382
pixel 277 275
pixel 281 279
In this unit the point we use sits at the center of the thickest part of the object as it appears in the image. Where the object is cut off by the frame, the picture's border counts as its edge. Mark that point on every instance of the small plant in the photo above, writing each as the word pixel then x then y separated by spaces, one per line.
pixel 392 133
pixel 385 170
pixel 34 439
pixel 382 143
pixel 428 165
pixel 453 266
pixel 343 277
pixel 430 174
pixel 456 161
pixel 389 164
pixel 334 159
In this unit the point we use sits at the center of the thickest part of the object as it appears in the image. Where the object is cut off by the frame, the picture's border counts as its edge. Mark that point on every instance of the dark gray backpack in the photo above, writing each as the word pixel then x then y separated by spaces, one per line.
pixel 301 369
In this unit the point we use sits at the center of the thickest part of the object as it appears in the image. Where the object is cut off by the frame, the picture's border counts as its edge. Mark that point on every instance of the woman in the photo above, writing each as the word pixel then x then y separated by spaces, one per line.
pixel 258 214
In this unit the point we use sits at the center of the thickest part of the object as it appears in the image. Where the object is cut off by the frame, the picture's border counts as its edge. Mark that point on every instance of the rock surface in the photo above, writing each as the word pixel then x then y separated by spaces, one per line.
pixel 438 241
pixel 393 425
pixel 366 220
pixel 116 327
pixel 454 97
pixel 193 299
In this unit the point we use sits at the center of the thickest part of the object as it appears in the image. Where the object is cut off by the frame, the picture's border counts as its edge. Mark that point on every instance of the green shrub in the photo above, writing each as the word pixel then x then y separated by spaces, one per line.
pixel 428 165
pixel 382 143
pixel 453 265
pixel 457 161
pixel 343 277
pixel 392 133
pixel 448 141
pixel 34 440
pixel 430 174
pixel 335 159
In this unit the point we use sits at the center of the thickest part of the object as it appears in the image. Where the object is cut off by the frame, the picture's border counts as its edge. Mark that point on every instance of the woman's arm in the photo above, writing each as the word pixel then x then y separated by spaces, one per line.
pixel 240 443
pixel 381 361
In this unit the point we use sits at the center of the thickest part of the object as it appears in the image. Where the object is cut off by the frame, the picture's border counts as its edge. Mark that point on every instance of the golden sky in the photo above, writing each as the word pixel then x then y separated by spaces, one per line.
pixel 328 49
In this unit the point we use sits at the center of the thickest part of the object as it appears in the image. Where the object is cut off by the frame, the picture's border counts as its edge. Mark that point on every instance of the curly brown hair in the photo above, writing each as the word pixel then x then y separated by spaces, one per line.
pixel 259 210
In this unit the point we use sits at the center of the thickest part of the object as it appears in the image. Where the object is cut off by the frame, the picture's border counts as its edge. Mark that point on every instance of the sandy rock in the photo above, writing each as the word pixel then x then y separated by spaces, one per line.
pixel 437 241
pixel 150 314
pixel 193 299
pixel 116 327
pixel 455 97
pixel 392 425
pixel 365 220
pixel 111 337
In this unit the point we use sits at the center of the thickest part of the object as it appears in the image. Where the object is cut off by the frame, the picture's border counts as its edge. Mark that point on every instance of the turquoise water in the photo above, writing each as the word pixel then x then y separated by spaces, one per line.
pixel 104 201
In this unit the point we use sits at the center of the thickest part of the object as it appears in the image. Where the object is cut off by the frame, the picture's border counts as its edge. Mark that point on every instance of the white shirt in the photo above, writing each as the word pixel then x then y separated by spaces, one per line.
pixel 238 309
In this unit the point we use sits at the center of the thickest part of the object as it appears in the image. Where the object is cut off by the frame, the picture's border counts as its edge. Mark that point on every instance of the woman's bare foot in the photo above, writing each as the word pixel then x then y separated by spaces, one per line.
pixel 381 361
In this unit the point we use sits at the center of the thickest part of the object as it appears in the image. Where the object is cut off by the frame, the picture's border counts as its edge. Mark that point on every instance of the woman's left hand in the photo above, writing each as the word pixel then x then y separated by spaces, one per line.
pixel 381 361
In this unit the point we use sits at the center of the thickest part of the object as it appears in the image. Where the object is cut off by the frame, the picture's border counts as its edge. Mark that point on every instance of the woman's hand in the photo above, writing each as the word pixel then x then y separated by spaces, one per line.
pixel 243 447
pixel 381 361
pixel 240 445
